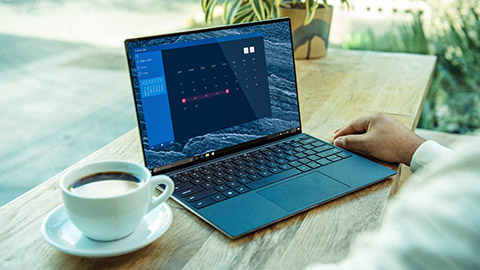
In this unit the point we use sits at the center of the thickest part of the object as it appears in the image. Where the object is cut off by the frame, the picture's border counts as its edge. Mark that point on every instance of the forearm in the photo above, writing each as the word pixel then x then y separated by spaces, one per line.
pixel 426 153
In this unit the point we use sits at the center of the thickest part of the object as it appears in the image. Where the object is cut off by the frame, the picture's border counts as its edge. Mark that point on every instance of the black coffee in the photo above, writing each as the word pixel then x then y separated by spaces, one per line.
pixel 105 184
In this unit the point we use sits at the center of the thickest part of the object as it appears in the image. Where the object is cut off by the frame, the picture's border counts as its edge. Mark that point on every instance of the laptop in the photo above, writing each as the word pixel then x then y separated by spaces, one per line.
pixel 218 112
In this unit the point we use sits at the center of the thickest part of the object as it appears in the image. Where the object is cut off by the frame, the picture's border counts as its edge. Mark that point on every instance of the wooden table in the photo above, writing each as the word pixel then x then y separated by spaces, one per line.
pixel 333 91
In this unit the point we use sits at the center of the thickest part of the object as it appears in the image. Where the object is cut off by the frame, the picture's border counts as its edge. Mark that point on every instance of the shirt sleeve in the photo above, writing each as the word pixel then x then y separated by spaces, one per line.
pixel 426 153
pixel 432 223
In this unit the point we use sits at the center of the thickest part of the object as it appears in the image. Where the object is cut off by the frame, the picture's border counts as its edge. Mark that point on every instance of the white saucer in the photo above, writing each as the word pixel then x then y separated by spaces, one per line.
pixel 59 232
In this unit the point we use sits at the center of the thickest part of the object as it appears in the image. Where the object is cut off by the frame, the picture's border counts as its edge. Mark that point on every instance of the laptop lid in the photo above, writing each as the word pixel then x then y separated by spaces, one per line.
pixel 206 93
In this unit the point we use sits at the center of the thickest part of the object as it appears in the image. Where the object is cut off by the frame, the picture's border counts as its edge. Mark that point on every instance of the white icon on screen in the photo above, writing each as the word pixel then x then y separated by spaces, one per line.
pixel 252 49
pixel 245 50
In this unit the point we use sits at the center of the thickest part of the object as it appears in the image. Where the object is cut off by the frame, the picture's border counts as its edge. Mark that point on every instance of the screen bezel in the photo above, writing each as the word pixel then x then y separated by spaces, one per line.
pixel 224 151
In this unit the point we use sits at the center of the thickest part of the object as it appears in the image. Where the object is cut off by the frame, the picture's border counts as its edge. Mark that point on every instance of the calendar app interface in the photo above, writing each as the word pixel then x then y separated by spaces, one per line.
pixel 196 87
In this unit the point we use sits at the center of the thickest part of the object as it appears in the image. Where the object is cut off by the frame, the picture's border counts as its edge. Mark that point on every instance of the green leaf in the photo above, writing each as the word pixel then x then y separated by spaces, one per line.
pixel 311 6
pixel 209 11
pixel 241 16
pixel 225 11
pixel 204 5
pixel 259 9
pixel 233 11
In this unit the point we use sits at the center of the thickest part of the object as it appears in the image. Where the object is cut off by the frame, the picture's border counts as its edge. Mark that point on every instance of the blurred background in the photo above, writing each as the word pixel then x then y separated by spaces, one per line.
pixel 65 88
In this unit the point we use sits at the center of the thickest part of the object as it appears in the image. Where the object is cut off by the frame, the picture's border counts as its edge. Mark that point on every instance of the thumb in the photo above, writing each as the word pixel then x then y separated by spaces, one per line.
pixel 355 143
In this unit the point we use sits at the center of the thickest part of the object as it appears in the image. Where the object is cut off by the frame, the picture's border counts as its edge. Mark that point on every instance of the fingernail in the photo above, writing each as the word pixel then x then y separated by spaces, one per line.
pixel 338 142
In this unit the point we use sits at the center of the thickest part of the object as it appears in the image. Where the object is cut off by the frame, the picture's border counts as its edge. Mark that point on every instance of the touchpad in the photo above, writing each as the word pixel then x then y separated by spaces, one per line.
pixel 304 191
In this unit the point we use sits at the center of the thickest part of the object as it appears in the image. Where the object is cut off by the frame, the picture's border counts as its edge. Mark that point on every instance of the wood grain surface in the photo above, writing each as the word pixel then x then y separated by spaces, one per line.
pixel 333 91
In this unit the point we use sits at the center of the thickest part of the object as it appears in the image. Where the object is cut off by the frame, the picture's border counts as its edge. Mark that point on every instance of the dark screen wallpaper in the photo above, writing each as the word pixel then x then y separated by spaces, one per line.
pixel 274 75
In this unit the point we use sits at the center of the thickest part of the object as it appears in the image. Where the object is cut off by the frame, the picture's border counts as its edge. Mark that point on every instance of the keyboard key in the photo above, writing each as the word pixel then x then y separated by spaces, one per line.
pixel 290 152
pixel 182 186
pixel 251 164
pixel 242 189
pixel 336 150
pixel 254 177
pixel 228 164
pixel 299 149
pixel 239 161
pixel 326 153
pixel 267 153
pixel 206 171
pixel 308 147
pixel 218 168
pixel 295 144
pixel 219 174
pixel 195 175
pixel 190 191
pixel 313 165
pixel 275 170
pixel 262 167
pixel 334 158
pixel 300 155
pixel 344 155
pixel 232 184
pixel 272 164
pixel 323 148
pixel 221 188
pixel 304 168
pixel 272 179
pixel 218 181
pixel 208 177
pixel 285 167
pixel 245 180
pixel 200 195
pixel 295 163
pixel 230 193
pixel 241 174
pixel 291 158
pixel 271 158
pixel 257 155
pixel 265 173
pixel 285 146
pixel 207 185
pixel 304 160
pixel 241 167
pixel 197 181
pixel 218 197
pixel 281 161
pixel 309 152
pixel 203 203
pixel 277 149
pixel 307 140
pixel 314 157
pixel 323 161
pixel 230 171
pixel 251 171
pixel 230 178
pixel 318 143
pixel 281 155
pixel 261 160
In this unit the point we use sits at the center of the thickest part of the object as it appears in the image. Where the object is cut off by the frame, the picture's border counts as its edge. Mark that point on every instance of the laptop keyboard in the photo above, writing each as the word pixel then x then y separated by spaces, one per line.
pixel 228 178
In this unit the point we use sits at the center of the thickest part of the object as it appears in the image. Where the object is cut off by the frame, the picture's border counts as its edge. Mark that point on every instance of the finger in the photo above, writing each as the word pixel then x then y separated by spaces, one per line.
pixel 354 143
pixel 359 125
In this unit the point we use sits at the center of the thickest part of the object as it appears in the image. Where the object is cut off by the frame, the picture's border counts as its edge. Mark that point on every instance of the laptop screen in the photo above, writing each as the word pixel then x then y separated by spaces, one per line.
pixel 206 92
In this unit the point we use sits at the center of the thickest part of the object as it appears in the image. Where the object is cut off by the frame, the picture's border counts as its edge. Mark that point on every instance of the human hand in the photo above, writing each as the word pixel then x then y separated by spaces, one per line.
pixel 380 136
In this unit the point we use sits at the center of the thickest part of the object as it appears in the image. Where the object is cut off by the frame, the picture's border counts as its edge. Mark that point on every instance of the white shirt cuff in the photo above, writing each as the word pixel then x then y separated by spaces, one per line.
pixel 426 153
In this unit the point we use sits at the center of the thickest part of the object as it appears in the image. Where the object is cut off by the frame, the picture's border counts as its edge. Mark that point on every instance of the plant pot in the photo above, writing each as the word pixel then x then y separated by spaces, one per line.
pixel 309 41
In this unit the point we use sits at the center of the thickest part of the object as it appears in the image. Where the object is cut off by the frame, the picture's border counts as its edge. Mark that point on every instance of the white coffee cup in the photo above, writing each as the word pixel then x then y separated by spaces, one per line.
pixel 112 216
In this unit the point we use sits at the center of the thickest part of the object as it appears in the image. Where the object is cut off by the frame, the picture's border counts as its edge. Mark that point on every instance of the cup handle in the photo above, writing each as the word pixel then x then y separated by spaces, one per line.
pixel 169 187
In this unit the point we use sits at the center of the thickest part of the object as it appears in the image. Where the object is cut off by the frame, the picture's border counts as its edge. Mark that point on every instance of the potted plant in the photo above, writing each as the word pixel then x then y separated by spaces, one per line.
pixel 310 20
